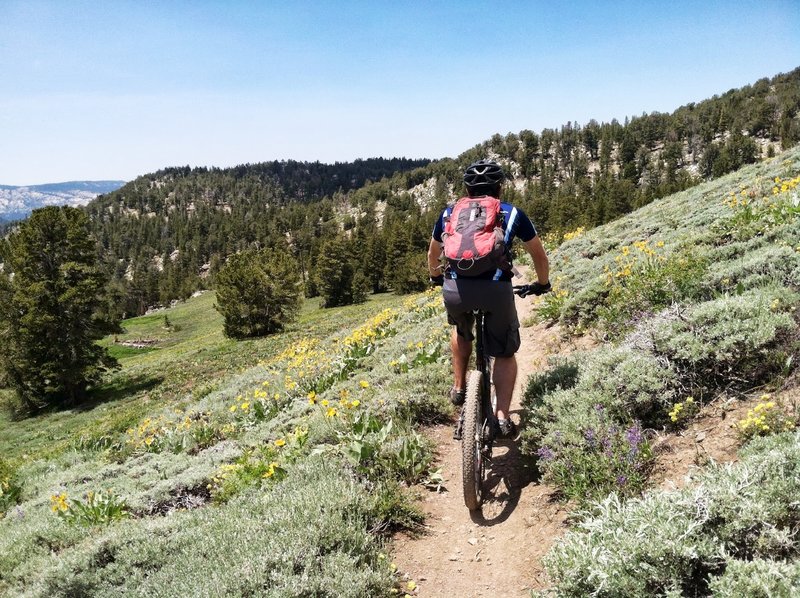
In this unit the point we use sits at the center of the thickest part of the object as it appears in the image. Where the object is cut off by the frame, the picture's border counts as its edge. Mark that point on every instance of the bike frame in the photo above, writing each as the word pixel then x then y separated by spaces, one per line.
pixel 483 364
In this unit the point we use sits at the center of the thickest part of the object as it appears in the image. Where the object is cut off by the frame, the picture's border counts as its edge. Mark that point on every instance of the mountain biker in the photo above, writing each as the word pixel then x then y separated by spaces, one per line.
pixel 491 292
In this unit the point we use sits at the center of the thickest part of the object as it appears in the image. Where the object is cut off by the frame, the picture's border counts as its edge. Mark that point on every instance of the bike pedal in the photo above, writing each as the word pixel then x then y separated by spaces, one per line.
pixel 457 433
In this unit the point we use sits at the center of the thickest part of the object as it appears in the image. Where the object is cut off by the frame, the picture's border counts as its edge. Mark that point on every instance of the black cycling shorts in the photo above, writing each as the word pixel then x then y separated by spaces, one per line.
pixel 496 299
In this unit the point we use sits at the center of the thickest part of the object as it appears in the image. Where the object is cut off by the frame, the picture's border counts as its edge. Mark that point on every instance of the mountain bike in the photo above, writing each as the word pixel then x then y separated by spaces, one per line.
pixel 476 426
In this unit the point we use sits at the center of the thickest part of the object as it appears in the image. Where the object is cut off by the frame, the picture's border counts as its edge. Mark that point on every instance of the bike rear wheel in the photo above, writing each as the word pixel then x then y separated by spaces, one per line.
pixel 472 458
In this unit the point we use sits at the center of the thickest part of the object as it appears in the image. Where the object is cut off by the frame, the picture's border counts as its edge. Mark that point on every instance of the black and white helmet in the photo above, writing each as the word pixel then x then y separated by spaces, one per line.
pixel 483 172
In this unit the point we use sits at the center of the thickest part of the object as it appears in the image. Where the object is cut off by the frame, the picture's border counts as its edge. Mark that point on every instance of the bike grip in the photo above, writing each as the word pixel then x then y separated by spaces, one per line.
pixel 522 290
pixel 538 288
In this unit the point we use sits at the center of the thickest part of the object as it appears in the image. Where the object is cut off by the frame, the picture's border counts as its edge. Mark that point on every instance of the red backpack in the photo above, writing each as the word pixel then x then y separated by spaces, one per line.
pixel 473 237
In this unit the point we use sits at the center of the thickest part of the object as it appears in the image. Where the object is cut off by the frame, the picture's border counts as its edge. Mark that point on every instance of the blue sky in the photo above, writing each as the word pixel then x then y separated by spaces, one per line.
pixel 111 90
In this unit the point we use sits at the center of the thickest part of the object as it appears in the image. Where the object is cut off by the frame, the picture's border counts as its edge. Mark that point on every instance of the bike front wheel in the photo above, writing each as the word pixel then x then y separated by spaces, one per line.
pixel 472 458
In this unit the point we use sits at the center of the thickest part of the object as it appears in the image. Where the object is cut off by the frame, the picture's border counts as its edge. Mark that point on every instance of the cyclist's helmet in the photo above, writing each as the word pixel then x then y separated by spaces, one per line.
pixel 483 173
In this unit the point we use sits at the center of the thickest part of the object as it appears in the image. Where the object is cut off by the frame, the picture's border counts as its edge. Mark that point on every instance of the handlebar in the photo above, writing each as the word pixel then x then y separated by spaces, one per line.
pixel 534 288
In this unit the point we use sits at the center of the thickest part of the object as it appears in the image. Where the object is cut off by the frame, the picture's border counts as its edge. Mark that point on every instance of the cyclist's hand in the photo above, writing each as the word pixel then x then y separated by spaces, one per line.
pixel 437 281
pixel 535 288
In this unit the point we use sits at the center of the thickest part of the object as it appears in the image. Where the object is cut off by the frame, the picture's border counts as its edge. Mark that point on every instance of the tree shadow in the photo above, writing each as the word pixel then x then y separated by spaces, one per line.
pixel 121 387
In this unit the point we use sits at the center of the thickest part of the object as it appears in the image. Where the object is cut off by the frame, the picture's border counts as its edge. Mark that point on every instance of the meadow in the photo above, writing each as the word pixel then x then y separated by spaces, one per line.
pixel 273 466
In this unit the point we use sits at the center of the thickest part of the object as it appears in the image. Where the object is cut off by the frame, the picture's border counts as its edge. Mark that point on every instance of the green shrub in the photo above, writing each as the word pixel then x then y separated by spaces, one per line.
pixel 604 458
pixel 677 543
pixel 551 306
pixel 580 309
pixel 308 536
pixel 643 281
pixel 733 341
pixel 636 383
pixel 747 266
pixel 10 487
pixel 584 421
pixel 562 375
pixel 759 578
pixel 97 508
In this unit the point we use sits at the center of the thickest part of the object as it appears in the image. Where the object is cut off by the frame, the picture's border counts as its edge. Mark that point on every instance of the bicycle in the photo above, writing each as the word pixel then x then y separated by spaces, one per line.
pixel 476 426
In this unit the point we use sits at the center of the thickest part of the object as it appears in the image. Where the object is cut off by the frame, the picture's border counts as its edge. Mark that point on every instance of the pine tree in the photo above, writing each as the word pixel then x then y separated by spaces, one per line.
pixel 258 293
pixel 336 275
pixel 52 306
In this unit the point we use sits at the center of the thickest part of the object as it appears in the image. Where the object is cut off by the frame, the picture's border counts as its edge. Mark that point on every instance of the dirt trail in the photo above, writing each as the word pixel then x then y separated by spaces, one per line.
pixel 497 552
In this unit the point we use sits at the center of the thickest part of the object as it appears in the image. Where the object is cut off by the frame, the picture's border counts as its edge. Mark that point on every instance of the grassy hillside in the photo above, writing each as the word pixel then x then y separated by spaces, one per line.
pixel 277 466
pixel 213 467
pixel 694 298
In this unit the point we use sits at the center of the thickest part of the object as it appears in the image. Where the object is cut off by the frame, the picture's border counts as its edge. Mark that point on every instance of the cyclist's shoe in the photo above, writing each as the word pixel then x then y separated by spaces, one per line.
pixel 505 428
pixel 457 396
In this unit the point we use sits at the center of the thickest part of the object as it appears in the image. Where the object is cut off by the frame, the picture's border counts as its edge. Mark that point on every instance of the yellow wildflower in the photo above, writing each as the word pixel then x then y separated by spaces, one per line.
pixel 280 442
pixel 58 502
pixel 363 384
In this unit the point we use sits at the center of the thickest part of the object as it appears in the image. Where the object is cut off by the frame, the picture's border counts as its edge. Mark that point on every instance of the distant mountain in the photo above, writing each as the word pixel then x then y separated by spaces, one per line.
pixel 18 202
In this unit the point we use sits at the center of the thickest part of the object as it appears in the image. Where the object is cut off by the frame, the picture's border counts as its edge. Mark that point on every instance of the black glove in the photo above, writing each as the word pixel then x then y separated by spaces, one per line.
pixel 437 281
pixel 535 288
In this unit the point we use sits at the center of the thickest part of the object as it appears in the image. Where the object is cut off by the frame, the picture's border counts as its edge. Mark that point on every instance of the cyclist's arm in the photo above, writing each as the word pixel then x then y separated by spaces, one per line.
pixel 540 262
pixel 434 253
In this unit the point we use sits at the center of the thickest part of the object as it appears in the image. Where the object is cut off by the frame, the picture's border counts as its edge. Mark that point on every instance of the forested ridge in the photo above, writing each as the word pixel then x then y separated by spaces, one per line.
pixel 164 233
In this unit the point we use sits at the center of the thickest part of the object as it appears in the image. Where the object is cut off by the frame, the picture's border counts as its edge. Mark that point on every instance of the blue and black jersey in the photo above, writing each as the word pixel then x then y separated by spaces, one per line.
pixel 515 224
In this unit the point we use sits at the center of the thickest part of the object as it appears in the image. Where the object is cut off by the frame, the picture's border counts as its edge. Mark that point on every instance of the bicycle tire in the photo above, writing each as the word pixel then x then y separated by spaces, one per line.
pixel 472 464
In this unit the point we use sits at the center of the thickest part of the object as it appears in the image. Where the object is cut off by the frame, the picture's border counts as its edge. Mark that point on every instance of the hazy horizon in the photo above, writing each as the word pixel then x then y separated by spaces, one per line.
pixel 113 91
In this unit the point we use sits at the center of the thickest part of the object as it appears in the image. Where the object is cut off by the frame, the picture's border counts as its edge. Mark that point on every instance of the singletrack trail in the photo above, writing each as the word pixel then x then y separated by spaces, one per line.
pixel 498 551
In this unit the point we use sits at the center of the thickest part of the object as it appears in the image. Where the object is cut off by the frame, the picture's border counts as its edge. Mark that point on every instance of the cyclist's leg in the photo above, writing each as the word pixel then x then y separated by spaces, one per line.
pixel 459 314
pixel 460 350
pixel 502 342
pixel 504 376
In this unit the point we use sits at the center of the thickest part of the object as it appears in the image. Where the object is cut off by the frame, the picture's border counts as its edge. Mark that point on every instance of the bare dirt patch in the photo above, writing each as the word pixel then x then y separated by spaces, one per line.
pixel 710 438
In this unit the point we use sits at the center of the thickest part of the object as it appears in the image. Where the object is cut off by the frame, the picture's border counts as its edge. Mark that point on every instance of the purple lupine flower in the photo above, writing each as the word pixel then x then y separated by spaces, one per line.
pixel 545 453
pixel 634 436
pixel 19 513
pixel 622 480
pixel 608 446
pixel 590 437
pixel 599 408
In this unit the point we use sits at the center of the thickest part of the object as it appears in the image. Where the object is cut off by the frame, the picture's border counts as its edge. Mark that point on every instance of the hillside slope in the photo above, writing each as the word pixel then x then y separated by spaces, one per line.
pixel 623 416
pixel 281 465
pixel 695 297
